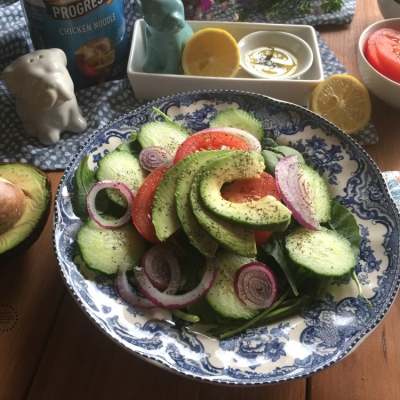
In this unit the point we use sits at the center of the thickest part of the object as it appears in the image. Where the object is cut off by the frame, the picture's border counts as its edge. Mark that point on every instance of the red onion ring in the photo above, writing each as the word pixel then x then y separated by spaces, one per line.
pixel 253 142
pixel 128 294
pixel 153 157
pixel 176 301
pixel 131 296
pixel 256 286
pixel 91 204
pixel 293 188
pixel 161 267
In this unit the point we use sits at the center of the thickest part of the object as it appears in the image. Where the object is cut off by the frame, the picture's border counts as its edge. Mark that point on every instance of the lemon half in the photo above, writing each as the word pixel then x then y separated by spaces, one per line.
pixel 211 52
pixel 344 101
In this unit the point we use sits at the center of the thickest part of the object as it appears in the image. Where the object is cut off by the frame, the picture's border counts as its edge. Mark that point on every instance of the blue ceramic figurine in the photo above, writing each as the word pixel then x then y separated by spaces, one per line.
pixel 166 34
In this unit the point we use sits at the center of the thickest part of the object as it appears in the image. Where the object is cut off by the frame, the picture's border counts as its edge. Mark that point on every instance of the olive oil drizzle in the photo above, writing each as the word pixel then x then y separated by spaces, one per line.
pixel 272 61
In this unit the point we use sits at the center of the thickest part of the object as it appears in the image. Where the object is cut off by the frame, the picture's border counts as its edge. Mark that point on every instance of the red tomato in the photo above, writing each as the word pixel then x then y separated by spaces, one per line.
pixel 209 141
pixel 388 50
pixel 245 190
pixel 371 53
pixel 383 52
pixel 262 237
pixel 142 204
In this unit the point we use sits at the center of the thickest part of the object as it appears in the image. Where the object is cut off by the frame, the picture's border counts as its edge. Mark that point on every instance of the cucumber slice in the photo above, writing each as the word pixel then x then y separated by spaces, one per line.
pixel 318 191
pixel 222 297
pixel 166 134
pixel 124 167
pixel 106 250
pixel 324 253
pixel 239 119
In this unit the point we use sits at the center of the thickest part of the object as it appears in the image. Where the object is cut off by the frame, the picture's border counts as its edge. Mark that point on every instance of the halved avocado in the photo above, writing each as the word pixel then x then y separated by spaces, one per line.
pixel 37 189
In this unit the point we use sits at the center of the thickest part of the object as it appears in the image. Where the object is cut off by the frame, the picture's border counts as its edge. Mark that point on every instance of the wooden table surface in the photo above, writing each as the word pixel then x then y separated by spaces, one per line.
pixel 51 350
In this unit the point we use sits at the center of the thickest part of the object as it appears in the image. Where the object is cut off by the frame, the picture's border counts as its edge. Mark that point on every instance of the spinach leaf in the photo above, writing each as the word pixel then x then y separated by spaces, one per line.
pixel 131 146
pixel 342 221
pixel 275 247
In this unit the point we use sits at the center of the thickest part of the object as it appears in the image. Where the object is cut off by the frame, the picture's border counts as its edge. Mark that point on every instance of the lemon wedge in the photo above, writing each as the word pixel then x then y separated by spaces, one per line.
pixel 342 100
pixel 211 52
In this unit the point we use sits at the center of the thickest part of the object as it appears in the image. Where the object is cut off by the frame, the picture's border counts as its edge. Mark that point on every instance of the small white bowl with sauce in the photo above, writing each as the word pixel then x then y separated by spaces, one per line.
pixel 275 55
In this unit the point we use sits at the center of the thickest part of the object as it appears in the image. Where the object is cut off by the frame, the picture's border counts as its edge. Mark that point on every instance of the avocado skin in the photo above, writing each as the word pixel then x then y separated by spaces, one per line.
pixel 34 235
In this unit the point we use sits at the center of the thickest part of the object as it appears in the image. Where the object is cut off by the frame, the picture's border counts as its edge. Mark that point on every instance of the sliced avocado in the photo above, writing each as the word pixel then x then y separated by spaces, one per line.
pixel 266 213
pixel 229 235
pixel 199 237
pixel 27 229
pixel 159 133
pixel 165 217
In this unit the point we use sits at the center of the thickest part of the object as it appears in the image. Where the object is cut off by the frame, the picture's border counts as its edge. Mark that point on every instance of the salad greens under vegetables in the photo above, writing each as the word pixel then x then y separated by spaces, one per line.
pixel 231 255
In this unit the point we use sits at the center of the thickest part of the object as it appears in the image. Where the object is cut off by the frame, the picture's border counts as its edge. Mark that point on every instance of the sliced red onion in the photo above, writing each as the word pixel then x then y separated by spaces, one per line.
pixel 164 300
pixel 153 157
pixel 253 142
pixel 294 189
pixel 256 286
pixel 133 298
pixel 161 266
pixel 94 214
pixel 128 293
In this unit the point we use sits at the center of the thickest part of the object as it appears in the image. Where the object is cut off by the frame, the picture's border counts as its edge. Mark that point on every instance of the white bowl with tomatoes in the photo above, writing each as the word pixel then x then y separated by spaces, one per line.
pixel 379 60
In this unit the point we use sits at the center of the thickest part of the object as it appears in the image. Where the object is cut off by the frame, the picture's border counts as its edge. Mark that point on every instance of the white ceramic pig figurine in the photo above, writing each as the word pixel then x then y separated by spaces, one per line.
pixel 46 102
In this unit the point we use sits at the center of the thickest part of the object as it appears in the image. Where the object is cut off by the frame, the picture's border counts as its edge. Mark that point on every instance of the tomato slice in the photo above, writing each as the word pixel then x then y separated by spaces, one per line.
pixel 371 52
pixel 388 52
pixel 210 141
pixel 143 202
pixel 245 190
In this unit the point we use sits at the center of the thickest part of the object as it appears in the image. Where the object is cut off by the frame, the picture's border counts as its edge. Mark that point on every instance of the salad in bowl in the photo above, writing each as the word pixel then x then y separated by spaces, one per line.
pixel 228 236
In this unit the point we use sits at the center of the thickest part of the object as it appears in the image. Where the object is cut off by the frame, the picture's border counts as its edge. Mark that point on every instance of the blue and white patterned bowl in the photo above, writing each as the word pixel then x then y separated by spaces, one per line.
pixel 296 346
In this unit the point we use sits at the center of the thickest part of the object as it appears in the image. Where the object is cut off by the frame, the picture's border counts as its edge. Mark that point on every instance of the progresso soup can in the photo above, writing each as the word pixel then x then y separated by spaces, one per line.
pixel 92 33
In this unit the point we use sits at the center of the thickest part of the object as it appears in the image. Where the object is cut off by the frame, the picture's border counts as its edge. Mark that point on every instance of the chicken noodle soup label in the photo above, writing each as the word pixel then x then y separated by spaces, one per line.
pixel 92 33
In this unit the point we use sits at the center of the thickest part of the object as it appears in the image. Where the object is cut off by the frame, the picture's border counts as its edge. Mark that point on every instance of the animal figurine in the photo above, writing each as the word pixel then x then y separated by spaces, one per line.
pixel 46 102
pixel 166 35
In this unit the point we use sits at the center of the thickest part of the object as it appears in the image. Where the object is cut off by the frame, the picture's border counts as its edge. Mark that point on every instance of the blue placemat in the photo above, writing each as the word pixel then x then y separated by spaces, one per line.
pixel 392 179
pixel 105 102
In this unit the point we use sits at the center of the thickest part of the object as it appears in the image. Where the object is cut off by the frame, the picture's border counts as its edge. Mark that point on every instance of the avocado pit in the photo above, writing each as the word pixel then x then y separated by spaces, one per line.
pixel 12 204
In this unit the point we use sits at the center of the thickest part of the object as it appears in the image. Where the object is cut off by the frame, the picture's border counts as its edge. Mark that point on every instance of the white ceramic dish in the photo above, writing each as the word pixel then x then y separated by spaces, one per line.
pixel 295 346
pixel 295 46
pixel 389 8
pixel 384 88
pixel 148 86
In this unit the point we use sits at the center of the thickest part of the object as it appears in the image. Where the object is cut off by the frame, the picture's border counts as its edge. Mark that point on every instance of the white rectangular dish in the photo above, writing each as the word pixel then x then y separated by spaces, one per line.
pixel 150 86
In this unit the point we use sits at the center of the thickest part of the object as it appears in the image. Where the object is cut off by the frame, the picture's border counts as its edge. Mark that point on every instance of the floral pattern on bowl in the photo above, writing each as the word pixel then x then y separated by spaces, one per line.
pixel 295 346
